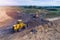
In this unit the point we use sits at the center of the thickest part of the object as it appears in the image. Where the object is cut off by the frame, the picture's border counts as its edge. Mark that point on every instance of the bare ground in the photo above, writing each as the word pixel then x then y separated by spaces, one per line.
pixel 45 31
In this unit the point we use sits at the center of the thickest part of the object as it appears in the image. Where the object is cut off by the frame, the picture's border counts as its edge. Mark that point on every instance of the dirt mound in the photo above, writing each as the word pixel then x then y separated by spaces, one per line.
pixel 8 13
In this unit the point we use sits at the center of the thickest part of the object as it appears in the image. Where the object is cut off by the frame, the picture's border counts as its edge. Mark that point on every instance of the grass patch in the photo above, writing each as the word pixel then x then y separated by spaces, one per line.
pixel 53 14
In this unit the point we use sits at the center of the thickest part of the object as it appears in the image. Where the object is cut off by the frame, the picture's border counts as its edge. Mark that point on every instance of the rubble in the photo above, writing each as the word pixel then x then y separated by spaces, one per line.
pixel 44 33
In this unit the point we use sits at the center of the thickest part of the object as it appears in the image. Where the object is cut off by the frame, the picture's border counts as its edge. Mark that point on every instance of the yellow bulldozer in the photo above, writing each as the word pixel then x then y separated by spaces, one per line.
pixel 19 25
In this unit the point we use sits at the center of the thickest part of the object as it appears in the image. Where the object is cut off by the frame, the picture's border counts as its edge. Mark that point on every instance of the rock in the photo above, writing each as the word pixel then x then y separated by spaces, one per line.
pixel 33 31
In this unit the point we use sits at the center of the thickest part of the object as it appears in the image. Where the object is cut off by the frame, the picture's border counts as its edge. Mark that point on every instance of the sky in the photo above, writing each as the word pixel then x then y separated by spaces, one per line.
pixel 29 2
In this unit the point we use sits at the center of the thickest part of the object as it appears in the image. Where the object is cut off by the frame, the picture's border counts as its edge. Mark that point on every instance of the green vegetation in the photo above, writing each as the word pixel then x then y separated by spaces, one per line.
pixel 30 10
pixel 53 13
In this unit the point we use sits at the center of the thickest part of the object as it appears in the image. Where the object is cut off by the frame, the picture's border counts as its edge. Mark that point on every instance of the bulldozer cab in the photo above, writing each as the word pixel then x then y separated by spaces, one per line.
pixel 19 21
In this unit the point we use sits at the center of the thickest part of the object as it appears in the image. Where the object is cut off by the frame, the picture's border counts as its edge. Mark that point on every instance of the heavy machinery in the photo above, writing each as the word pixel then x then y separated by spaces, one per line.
pixel 19 25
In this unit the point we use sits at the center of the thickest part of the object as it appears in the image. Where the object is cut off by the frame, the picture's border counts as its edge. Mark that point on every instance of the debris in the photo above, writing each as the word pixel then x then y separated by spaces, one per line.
pixel 33 31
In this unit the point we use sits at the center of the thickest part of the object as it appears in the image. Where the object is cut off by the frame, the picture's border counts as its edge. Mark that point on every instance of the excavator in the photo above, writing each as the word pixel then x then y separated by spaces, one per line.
pixel 19 25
